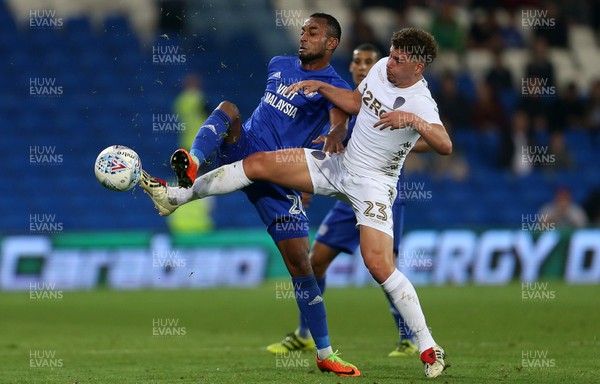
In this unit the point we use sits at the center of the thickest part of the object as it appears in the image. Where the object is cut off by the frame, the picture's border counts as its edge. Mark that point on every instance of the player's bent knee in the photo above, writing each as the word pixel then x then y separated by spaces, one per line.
pixel 298 263
pixel 295 252
pixel 380 270
pixel 230 109
pixel 318 265
pixel 255 166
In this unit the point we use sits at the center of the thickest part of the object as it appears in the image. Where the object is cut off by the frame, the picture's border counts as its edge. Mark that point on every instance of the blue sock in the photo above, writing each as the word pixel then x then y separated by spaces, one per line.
pixel 312 308
pixel 303 330
pixel 403 328
pixel 211 134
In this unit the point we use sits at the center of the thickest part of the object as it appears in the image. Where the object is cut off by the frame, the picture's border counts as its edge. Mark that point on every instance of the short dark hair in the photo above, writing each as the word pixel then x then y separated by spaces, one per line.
pixel 419 44
pixel 333 26
pixel 369 48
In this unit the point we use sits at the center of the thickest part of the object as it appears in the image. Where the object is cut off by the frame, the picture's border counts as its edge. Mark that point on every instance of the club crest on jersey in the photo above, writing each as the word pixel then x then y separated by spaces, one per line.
pixel 310 95
pixel 319 155
pixel 399 102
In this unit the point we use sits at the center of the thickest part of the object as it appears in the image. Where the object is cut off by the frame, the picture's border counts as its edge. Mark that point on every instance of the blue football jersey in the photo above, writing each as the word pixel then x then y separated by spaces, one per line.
pixel 292 121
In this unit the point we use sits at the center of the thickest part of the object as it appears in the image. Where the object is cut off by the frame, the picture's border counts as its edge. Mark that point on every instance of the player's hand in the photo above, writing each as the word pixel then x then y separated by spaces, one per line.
pixel 306 86
pixel 307 198
pixel 333 143
pixel 395 120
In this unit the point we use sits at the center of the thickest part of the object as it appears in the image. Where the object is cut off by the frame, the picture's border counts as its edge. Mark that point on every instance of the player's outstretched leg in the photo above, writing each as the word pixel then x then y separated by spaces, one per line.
pixel 226 179
pixel 223 124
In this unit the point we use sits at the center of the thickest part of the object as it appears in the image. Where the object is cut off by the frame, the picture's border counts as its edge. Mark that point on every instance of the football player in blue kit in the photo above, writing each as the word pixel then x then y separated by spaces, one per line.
pixel 338 233
pixel 283 121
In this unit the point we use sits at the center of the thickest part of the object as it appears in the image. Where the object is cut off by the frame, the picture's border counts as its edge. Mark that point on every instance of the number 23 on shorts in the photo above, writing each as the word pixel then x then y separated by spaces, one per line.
pixel 380 214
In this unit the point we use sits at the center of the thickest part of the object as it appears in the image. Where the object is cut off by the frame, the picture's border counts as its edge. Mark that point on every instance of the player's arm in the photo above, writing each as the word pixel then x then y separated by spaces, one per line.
pixel 345 99
pixel 435 135
pixel 338 120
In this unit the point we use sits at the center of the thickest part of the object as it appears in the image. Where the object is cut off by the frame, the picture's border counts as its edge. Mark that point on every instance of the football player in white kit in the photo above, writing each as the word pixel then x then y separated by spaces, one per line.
pixel 394 108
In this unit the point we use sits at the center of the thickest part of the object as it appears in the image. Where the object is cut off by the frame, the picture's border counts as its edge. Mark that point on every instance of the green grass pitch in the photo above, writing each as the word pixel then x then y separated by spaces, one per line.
pixel 218 336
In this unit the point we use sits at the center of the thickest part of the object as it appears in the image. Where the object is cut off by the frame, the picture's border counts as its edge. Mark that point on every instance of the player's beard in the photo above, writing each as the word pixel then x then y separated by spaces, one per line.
pixel 310 57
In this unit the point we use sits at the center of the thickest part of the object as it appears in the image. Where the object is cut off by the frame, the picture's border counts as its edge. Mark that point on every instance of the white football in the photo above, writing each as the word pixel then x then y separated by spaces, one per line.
pixel 118 168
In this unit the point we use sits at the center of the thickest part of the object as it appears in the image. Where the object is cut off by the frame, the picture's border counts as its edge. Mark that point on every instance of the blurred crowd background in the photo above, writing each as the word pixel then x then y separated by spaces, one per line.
pixel 517 84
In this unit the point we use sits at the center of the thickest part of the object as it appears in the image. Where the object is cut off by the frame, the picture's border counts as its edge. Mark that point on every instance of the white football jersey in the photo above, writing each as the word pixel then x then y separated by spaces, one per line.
pixel 373 152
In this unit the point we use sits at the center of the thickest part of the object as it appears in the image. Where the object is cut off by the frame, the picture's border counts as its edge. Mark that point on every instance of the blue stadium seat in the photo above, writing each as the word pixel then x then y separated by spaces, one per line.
pixel 113 88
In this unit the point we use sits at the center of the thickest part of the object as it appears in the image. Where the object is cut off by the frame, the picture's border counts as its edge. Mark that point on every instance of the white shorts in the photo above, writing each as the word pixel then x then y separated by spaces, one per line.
pixel 370 199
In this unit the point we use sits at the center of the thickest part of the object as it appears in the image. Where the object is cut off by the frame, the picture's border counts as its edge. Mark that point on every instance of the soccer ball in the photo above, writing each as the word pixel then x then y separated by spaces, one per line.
pixel 118 168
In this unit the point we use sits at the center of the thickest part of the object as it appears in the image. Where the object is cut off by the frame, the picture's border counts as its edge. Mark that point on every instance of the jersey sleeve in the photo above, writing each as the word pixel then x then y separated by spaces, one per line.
pixel 272 63
pixel 274 60
pixel 426 108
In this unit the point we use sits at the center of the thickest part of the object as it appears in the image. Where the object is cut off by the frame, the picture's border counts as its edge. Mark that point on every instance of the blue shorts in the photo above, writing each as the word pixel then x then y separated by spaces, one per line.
pixel 279 208
pixel 338 230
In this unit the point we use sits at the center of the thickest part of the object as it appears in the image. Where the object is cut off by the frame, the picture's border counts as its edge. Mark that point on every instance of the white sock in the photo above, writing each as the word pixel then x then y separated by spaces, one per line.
pixel 225 179
pixel 180 195
pixel 405 299
pixel 323 353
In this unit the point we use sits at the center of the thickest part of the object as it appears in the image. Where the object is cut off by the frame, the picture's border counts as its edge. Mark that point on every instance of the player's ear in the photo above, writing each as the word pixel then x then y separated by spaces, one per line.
pixel 420 67
pixel 332 43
